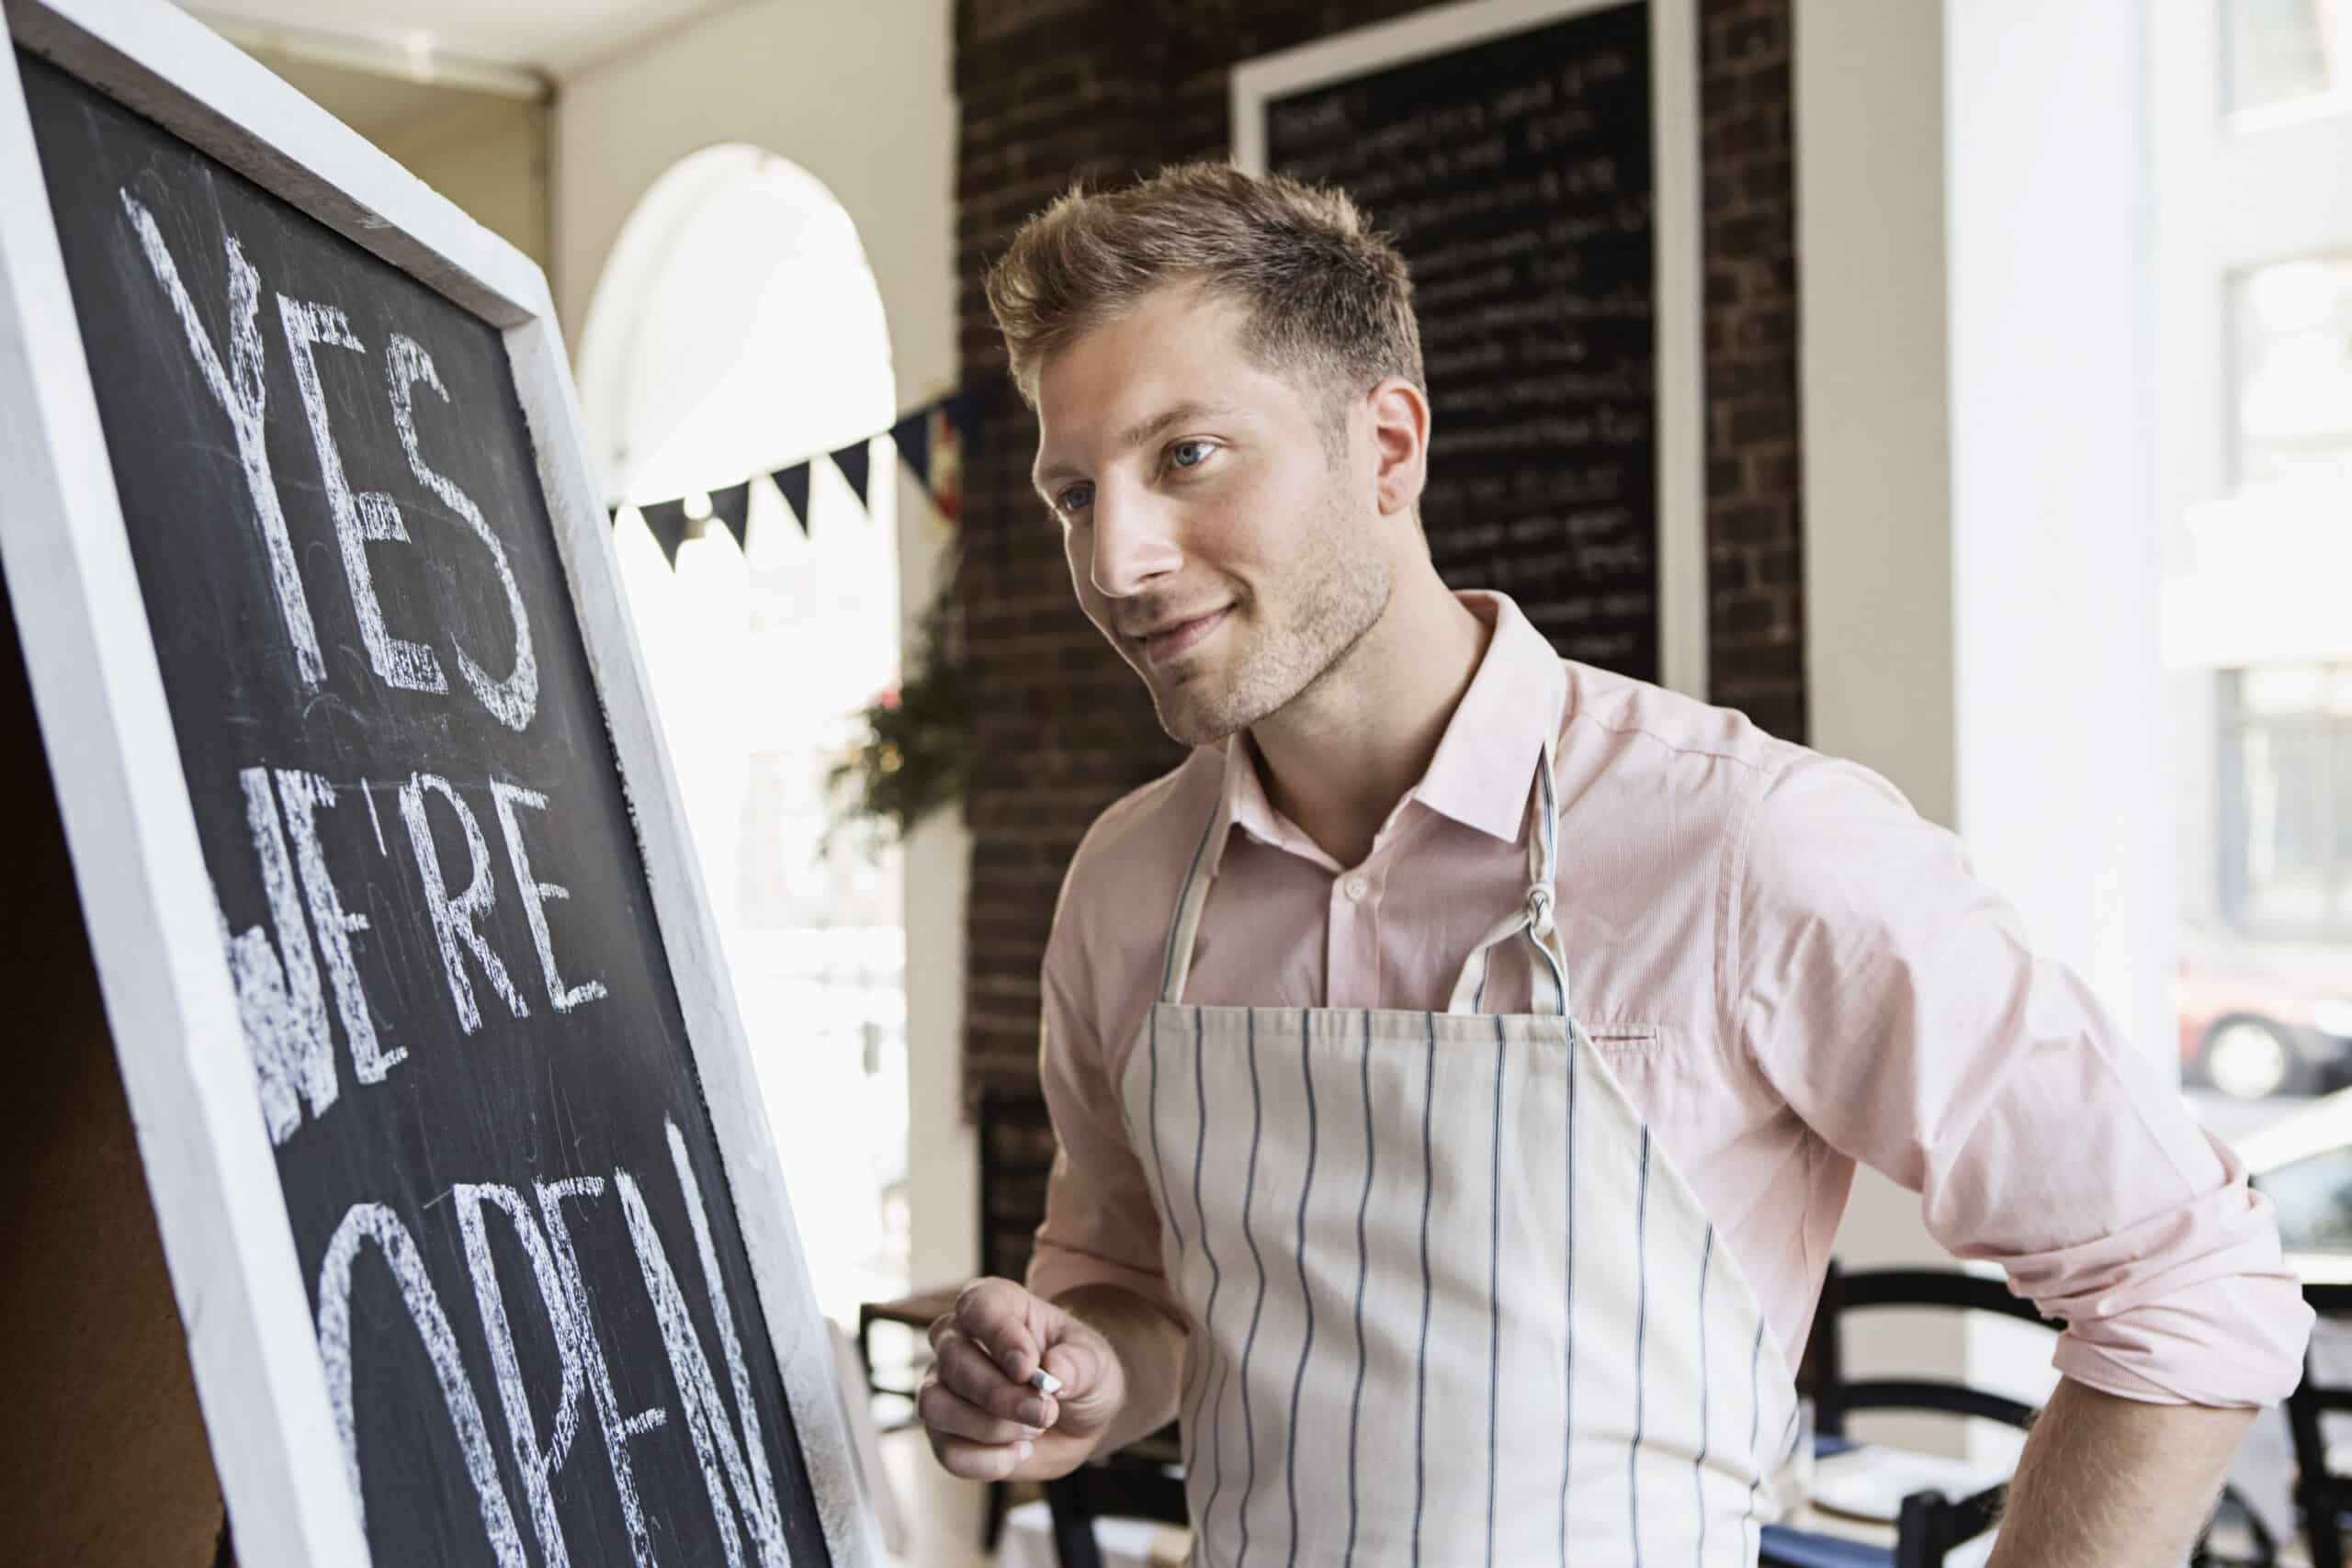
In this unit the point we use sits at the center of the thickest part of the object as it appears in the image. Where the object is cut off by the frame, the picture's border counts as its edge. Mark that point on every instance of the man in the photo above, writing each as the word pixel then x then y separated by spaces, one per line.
pixel 1460 1061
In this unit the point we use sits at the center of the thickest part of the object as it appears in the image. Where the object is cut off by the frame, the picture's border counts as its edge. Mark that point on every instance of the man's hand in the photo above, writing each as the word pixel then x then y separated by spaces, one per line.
pixel 985 1421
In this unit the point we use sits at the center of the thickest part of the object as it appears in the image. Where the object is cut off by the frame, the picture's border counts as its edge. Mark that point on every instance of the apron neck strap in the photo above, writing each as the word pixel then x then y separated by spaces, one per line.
pixel 1534 917
pixel 1184 925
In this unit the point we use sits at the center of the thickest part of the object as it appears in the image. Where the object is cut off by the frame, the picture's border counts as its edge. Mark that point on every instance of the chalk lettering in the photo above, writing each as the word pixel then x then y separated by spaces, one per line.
pixel 279 1004
pixel 453 919
pixel 618 1428
pixel 301 794
pixel 514 699
pixel 716 1444
pixel 536 1467
pixel 360 520
pixel 507 797
pixel 242 391
pixel 363 1222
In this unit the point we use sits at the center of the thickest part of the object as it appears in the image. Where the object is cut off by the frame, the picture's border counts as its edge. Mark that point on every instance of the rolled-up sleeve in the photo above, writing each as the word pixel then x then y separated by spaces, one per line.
pixel 1101 1226
pixel 1892 998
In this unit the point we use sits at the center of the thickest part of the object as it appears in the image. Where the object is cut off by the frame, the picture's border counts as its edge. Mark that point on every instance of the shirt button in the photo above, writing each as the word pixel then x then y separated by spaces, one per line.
pixel 1355 888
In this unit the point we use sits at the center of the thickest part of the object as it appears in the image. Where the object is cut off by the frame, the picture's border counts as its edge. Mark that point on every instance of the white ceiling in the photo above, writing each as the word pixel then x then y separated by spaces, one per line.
pixel 551 36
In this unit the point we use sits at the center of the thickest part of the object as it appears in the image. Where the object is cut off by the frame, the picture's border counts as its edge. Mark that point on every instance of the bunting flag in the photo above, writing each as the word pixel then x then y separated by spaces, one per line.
pixel 854 461
pixel 911 436
pixel 794 484
pixel 933 441
pixel 733 506
pixel 667 520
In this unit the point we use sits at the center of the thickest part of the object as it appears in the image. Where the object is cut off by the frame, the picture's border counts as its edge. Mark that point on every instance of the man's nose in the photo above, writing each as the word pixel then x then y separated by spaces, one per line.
pixel 1134 545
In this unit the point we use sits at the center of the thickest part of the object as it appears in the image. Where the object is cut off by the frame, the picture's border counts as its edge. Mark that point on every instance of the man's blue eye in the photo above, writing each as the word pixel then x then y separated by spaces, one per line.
pixel 1176 454
pixel 1076 498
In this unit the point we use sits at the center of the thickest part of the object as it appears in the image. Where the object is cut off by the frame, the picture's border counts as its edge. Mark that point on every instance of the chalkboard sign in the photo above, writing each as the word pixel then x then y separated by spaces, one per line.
pixel 472 1115
pixel 1511 149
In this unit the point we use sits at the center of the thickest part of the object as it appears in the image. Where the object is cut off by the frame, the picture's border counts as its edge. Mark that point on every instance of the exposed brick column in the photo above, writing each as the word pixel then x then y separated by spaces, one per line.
pixel 1053 90
pixel 1755 577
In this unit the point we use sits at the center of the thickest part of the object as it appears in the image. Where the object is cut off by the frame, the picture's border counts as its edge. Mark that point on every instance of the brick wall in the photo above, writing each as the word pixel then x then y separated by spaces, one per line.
pixel 1109 89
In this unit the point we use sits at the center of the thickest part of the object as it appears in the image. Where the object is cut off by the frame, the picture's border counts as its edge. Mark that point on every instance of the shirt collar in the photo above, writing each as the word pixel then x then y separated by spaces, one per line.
pixel 1485 763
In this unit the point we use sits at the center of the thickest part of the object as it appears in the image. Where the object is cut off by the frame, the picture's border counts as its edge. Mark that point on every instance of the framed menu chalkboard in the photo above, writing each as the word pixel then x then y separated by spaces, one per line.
pixel 451 1133
pixel 1537 163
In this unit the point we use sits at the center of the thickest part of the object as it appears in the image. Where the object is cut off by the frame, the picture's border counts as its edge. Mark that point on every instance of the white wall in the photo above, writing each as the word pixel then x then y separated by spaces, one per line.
pixel 485 150
pixel 860 97
pixel 1981 558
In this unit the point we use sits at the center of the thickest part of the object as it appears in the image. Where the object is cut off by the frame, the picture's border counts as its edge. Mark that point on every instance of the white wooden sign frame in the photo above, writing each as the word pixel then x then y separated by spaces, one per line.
pixel 146 898
pixel 1677 277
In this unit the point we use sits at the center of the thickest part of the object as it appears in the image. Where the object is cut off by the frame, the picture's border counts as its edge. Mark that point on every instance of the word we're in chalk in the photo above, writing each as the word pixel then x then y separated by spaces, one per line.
pixel 278 998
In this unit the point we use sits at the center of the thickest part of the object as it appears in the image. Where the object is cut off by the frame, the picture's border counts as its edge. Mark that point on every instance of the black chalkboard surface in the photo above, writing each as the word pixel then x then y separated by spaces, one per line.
pixel 1516 174
pixel 543 1337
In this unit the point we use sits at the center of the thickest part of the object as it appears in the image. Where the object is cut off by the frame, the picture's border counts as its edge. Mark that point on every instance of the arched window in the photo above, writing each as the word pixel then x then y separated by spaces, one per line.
pixel 736 329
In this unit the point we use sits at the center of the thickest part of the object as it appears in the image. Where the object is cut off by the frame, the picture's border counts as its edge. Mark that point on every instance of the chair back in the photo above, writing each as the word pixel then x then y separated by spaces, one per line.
pixel 1835 1396
pixel 2322 1495
pixel 1931 1524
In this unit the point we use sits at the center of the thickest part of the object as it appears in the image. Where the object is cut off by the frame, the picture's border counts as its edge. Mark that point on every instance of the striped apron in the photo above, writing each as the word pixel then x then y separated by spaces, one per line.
pixel 1449 1303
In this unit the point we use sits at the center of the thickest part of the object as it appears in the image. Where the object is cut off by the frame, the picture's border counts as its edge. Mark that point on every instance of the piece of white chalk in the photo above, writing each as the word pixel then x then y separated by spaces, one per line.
pixel 1045 1382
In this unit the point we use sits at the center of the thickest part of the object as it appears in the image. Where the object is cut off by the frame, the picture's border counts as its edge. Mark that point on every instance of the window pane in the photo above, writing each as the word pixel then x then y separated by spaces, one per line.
pixel 2290 762
pixel 2284 50
pixel 2313 1198
pixel 2293 391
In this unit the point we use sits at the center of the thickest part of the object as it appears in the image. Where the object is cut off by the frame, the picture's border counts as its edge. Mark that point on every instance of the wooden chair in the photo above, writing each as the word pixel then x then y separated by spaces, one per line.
pixel 1016 1152
pixel 1142 1480
pixel 2321 1496
pixel 1930 1524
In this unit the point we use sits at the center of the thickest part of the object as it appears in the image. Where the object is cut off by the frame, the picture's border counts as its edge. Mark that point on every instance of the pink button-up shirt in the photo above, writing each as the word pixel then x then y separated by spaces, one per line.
pixel 1786 968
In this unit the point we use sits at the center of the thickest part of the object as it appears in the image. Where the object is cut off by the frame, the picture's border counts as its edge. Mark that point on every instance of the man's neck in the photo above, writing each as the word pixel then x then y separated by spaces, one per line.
pixel 1340 757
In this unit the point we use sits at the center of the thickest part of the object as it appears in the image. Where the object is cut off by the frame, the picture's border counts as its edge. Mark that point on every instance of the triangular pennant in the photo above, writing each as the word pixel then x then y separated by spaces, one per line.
pixel 964 409
pixel 733 506
pixel 948 446
pixel 912 436
pixel 793 483
pixel 667 520
pixel 855 462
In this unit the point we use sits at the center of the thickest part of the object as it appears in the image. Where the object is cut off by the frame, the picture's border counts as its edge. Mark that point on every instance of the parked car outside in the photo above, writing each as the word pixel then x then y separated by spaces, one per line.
pixel 2303 1163
pixel 2253 1025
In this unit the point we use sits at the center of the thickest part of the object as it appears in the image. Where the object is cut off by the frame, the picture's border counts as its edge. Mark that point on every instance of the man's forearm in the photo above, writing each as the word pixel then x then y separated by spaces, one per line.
pixel 2105 1480
pixel 1151 1348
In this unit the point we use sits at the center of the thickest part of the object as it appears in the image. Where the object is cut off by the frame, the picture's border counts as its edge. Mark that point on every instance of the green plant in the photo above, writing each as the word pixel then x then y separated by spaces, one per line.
pixel 915 738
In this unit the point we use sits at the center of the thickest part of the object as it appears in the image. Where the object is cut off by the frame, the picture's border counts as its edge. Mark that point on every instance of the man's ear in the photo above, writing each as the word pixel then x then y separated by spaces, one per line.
pixel 1400 444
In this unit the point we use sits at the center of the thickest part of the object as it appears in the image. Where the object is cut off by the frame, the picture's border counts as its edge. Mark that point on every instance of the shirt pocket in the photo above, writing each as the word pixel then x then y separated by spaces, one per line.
pixel 1620 1037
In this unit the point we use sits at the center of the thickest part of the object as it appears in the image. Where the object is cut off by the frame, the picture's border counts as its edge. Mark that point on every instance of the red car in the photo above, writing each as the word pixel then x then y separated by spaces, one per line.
pixel 2251 1029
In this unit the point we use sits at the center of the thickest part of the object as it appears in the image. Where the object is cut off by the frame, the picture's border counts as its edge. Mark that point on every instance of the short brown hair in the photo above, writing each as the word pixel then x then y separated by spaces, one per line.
pixel 1330 298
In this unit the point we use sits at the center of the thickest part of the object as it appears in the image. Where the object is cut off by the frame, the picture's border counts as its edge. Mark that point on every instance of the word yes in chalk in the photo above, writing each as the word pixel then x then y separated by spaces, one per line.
pixel 279 999
pixel 361 519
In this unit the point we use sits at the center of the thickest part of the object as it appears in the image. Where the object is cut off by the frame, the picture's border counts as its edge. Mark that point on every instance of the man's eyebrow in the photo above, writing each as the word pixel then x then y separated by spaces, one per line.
pixel 1134 435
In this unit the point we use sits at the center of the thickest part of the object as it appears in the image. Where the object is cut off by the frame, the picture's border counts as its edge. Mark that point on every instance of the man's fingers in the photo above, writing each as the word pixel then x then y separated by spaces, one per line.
pixel 978 1461
pixel 967 1372
pixel 1077 1363
pixel 999 1317
pixel 950 1414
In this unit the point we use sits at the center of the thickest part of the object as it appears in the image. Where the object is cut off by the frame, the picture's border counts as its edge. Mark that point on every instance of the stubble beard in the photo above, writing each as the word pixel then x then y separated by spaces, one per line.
pixel 1327 610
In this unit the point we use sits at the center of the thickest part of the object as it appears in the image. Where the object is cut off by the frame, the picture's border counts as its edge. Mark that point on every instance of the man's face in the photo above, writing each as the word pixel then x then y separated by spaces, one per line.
pixel 1226 543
